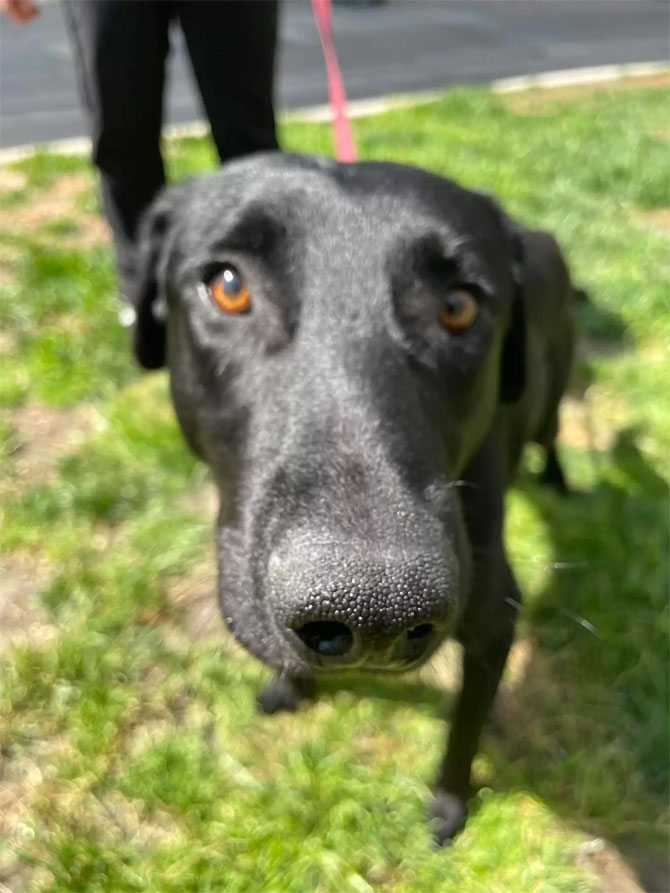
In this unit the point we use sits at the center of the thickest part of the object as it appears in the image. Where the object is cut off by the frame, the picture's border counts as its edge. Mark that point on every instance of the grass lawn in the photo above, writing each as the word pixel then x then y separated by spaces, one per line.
pixel 131 756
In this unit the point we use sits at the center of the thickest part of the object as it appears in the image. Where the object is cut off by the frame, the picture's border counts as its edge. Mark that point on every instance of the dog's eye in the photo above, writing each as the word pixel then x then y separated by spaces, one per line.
pixel 458 312
pixel 229 291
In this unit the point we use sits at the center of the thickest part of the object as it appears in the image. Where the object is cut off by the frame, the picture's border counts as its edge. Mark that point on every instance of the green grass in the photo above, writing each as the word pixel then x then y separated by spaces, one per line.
pixel 131 753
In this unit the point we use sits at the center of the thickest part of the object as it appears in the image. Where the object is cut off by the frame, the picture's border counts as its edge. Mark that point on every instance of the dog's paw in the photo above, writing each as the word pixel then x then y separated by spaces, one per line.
pixel 282 694
pixel 447 814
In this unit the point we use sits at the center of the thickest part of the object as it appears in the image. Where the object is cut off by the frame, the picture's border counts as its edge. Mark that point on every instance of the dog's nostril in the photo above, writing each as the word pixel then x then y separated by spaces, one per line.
pixel 422 631
pixel 417 641
pixel 326 637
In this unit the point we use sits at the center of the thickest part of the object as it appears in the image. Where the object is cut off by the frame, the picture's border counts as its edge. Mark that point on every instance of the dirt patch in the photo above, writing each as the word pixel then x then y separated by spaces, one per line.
pixel 44 435
pixel 22 618
pixel 91 230
pixel 203 501
pixel 14 812
pixel 6 278
pixel 444 669
pixel 9 256
pixel 58 203
pixel 658 219
pixel 7 344
pixel 12 181
pixel 542 100
pixel 195 594
pixel 124 819
pixel 604 860
pixel 582 429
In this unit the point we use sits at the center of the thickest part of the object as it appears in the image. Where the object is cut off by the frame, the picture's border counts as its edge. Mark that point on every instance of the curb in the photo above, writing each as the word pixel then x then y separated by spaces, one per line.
pixel 573 77
pixel 362 108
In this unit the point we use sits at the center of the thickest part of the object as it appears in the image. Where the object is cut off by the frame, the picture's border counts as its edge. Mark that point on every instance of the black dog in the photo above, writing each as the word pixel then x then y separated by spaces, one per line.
pixel 360 353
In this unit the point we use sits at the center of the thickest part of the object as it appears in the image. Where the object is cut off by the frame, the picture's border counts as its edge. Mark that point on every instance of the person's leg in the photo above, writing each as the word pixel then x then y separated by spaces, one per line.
pixel 232 50
pixel 120 50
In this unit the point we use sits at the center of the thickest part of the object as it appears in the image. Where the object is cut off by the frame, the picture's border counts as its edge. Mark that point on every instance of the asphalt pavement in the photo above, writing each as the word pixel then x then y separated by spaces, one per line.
pixel 396 46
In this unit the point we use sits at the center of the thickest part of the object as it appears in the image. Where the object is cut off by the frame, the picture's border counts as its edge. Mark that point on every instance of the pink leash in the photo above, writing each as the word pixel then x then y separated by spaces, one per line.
pixel 344 143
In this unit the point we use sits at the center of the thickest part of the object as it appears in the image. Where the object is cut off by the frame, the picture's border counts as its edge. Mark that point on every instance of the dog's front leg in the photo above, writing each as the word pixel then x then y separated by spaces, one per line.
pixel 482 669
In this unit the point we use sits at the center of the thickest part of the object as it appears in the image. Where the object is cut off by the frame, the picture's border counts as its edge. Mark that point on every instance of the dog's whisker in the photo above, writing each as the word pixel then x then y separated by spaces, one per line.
pixel 581 621
pixel 567 565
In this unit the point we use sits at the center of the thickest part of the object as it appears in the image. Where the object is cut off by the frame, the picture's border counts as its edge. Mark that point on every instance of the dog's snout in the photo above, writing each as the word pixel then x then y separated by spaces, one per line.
pixel 383 611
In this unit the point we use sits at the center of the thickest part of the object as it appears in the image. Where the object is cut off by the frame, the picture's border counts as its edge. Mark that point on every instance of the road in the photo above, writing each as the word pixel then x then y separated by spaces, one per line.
pixel 403 45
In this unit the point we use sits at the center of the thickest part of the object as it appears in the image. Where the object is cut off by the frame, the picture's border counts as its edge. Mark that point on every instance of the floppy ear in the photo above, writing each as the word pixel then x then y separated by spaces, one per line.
pixel 148 298
pixel 513 353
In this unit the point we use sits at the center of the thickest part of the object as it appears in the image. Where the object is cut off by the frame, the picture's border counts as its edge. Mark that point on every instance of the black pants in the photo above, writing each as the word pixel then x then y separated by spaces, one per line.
pixel 120 50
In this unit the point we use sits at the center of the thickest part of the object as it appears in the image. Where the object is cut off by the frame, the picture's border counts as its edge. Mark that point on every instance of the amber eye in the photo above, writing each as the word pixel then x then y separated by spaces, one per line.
pixel 229 291
pixel 458 312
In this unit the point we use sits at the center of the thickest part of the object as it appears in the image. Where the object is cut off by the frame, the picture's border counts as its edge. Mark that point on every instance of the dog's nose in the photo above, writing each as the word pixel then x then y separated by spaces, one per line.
pixel 339 609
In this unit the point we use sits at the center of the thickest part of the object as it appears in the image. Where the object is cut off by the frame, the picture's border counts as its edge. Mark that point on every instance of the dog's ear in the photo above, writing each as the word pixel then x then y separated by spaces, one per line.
pixel 513 352
pixel 148 296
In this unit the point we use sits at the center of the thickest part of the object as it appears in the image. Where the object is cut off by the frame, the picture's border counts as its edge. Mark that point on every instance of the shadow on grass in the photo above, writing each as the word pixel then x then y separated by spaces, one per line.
pixel 602 333
pixel 586 727
pixel 601 327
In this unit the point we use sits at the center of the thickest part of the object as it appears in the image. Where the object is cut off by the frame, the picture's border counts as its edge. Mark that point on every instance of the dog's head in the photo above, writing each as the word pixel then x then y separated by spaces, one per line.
pixel 338 338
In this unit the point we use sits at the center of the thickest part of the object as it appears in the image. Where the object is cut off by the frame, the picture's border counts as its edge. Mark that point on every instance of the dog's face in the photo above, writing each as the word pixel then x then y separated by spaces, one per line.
pixel 338 339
